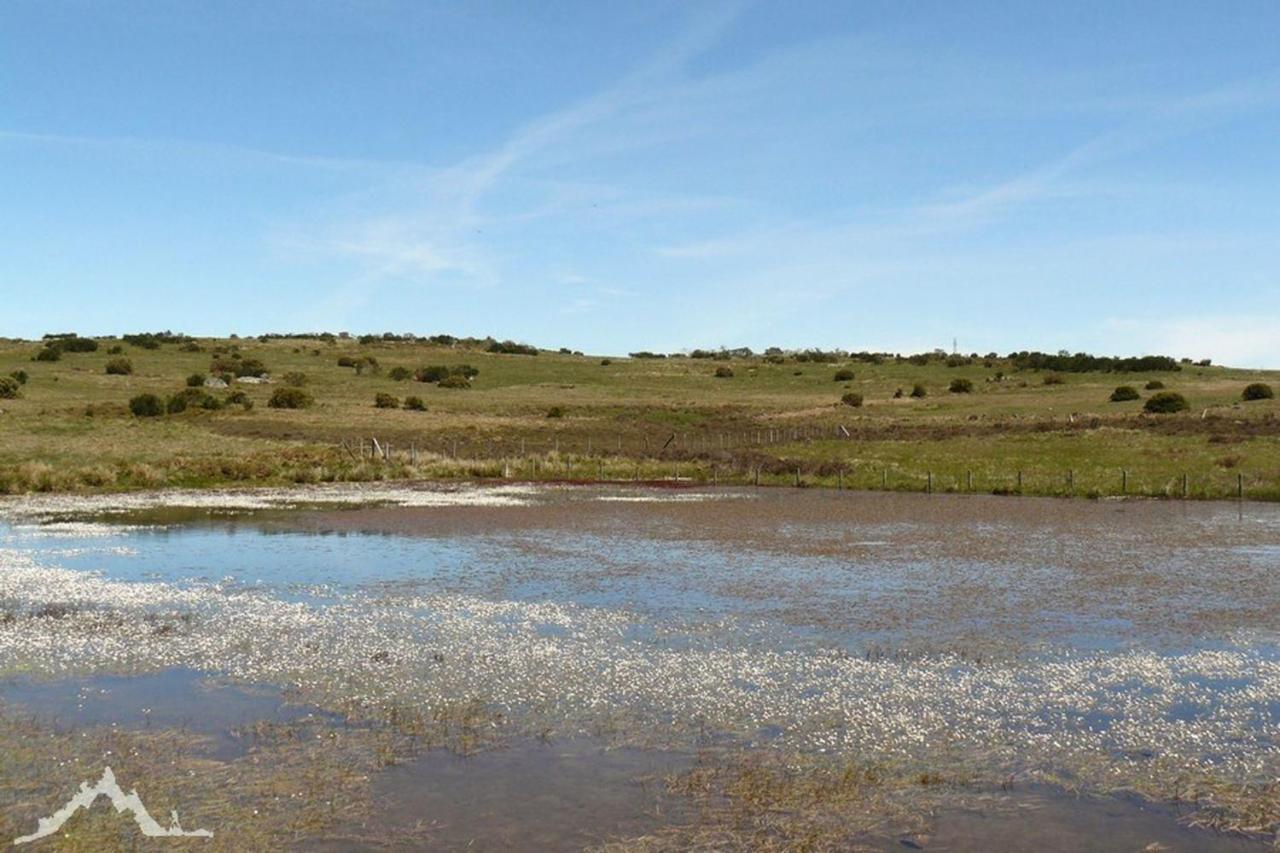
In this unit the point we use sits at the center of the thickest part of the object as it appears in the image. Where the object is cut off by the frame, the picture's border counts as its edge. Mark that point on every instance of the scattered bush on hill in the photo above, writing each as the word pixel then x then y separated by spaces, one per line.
pixel 383 400
pixel 146 406
pixel 960 386
pixel 1124 394
pixel 290 398
pixel 1257 391
pixel 1166 403
pixel 119 367
pixel 852 399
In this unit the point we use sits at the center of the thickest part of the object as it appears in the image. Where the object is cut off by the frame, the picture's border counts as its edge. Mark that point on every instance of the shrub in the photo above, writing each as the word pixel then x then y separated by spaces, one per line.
pixel 8 388
pixel 119 367
pixel 852 399
pixel 555 412
pixel 19 376
pixel 960 386
pixel 238 398
pixel 48 354
pixel 191 346
pixel 1054 379
pixel 296 379
pixel 1258 391
pixel 844 375
pixel 146 406
pixel 415 404
pixel 724 372
pixel 399 374
pixel 434 373
pixel 74 344
pixel 1154 385
pixel 346 361
pixel 250 367
pixel 1124 393
pixel 290 398
pixel 918 391
pixel 195 380
pixel 513 348
pixel 176 404
pixel 455 380
pixel 115 350
pixel 1166 403
pixel 897 394
pixel 383 400
pixel 605 362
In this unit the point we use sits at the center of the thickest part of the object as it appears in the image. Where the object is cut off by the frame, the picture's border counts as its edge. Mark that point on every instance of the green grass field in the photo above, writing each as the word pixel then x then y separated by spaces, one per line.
pixel 70 428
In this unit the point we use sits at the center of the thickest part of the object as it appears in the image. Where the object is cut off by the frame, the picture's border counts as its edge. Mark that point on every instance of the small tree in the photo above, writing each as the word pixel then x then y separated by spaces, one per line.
pixel 852 399
pixel 1124 393
pixel 1166 403
pixel 119 367
pixel 1257 391
pixel 146 406
pixel 960 386
pixel 383 400
pixel 290 398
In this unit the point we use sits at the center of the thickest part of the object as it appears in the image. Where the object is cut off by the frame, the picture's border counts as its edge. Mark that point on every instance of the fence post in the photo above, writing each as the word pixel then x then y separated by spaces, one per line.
pixel 1071 480
pixel 1184 485
pixel 1124 481
pixel 797 475
pixel 884 478
pixel 928 483
pixel 840 479
pixel 968 481
pixel 757 475
pixel 1019 481
pixel 1240 486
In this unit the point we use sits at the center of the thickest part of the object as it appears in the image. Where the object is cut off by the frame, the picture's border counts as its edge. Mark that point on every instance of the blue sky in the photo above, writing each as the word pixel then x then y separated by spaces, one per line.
pixel 614 176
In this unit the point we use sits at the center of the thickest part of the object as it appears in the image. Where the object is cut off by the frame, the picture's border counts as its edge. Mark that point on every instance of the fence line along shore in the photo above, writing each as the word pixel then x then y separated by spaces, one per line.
pixel 728 459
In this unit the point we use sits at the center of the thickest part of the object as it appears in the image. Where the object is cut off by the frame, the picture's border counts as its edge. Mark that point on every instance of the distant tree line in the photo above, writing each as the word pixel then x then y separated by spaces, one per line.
pixel 1082 362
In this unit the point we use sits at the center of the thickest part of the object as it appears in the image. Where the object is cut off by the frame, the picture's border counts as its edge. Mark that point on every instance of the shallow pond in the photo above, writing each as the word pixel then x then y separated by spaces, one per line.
pixel 587 647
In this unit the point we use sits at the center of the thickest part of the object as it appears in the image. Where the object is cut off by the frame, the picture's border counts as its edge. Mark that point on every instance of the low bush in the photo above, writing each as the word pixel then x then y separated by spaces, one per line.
pixel 8 388
pixel 295 379
pixel 191 346
pixel 960 386
pixel 146 406
pixel 454 380
pixel 290 398
pixel 844 375
pixel 1054 379
pixel 383 400
pixel 605 362
pixel 1166 403
pixel 1257 391
pixel 433 373
pixel 119 367
pixel 19 376
pixel 1154 385
pixel 115 350
pixel 852 399
pixel 415 404
pixel 75 344
pixel 897 394
pixel 513 348
pixel 250 367
pixel 555 412
pixel 48 354
pixel 195 380
pixel 918 391
pixel 346 361
pixel 724 372
pixel 1124 394
pixel 399 374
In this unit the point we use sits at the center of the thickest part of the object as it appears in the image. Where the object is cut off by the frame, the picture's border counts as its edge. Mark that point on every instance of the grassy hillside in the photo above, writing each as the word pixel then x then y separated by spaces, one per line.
pixel 71 427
